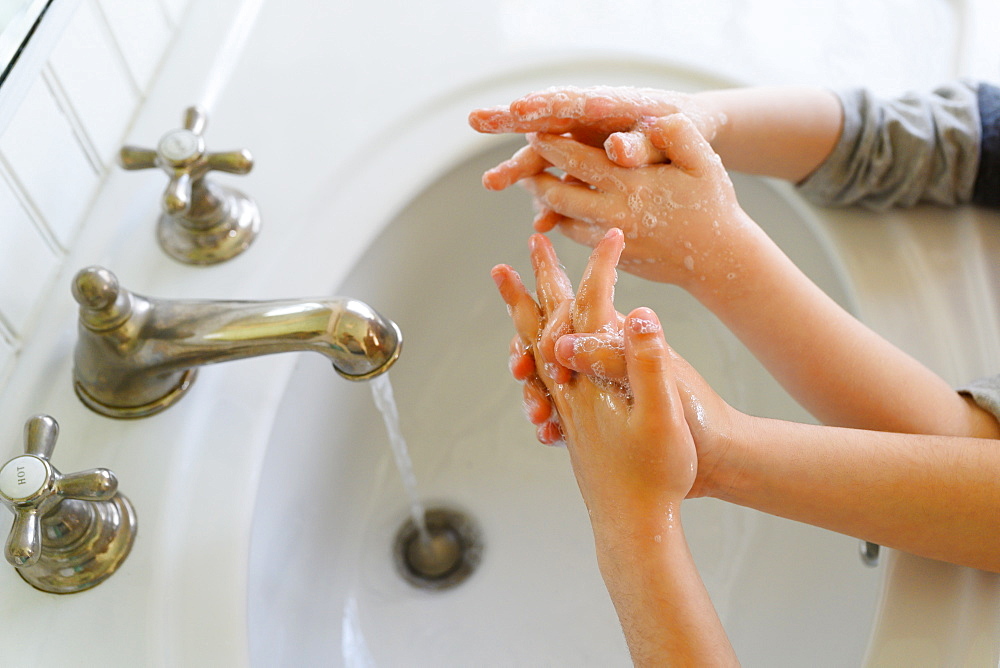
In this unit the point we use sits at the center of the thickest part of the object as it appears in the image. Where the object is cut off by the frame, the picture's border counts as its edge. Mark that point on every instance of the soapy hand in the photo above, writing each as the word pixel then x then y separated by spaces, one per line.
pixel 618 119
pixel 682 220
pixel 632 448
pixel 540 324
pixel 573 353
pixel 628 440
pixel 637 159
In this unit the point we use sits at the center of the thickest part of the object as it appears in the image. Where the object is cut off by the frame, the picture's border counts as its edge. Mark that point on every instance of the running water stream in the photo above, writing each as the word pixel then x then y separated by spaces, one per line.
pixel 438 548
pixel 386 403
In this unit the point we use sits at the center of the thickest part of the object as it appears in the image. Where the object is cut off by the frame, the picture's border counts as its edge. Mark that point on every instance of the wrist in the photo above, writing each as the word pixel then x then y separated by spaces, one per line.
pixel 624 537
pixel 716 114
pixel 712 119
pixel 728 264
pixel 627 521
pixel 981 423
pixel 724 461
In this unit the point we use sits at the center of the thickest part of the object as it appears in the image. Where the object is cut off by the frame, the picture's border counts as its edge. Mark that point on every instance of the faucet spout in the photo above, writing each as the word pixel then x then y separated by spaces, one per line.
pixel 136 356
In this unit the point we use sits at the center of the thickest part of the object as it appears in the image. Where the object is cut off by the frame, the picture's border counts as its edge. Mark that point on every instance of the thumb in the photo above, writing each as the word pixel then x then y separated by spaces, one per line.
pixel 650 368
pixel 678 137
pixel 632 148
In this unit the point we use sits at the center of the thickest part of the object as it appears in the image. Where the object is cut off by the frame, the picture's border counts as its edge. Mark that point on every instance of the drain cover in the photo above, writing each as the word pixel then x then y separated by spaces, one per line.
pixel 446 557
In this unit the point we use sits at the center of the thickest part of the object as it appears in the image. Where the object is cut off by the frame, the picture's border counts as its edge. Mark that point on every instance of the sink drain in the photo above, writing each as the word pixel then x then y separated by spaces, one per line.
pixel 445 559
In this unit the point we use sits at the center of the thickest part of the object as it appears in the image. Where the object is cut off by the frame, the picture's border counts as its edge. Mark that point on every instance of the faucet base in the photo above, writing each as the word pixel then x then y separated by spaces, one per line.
pixel 88 560
pixel 145 410
pixel 225 238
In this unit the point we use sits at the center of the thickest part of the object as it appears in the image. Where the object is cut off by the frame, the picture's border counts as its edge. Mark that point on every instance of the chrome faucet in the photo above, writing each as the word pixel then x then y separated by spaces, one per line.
pixel 136 356
pixel 202 222
pixel 71 532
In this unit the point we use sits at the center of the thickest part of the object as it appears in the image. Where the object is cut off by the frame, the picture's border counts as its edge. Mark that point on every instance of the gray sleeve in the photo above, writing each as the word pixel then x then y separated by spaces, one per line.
pixel 897 152
pixel 986 393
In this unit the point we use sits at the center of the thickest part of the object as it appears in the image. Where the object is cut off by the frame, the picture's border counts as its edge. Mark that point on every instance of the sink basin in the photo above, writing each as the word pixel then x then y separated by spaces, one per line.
pixel 268 501
pixel 323 588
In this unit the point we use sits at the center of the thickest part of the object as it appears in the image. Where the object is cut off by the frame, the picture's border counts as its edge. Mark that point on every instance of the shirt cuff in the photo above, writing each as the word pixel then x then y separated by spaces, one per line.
pixel 986 191
pixel 986 393
pixel 918 147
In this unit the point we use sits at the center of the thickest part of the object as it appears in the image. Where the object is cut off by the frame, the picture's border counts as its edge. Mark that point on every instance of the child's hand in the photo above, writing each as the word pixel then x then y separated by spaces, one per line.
pixel 628 439
pixel 617 119
pixel 681 220
pixel 556 313
pixel 631 445
pixel 556 358
pixel 594 112
pixel 633 454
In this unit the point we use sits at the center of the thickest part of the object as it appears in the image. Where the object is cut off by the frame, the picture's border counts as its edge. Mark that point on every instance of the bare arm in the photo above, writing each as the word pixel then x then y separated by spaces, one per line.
pixel 785 132
pixel 660 599
pixel 936 496
pixel 782 132
pixel 683 225
pixel 931 495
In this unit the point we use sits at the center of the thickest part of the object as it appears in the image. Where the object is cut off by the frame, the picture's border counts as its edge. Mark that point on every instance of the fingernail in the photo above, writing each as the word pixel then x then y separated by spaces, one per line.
pixel 498 275
pixel 611 148
pixel 492 180
pixel 549 433
pixel 521 366
pixel 565 349
pixel 630 145
pixel 530 409
pixel 539 223
pixel 644 321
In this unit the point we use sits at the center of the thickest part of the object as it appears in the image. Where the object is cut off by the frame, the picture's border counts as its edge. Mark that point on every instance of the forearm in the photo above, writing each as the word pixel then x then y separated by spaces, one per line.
pixel 664 608
pixel 934 496
pixel 836 367
pixel 833 365
pixel 782 132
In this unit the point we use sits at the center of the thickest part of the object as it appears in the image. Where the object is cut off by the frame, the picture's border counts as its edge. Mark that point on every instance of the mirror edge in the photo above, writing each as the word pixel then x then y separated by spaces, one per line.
pixel 33 55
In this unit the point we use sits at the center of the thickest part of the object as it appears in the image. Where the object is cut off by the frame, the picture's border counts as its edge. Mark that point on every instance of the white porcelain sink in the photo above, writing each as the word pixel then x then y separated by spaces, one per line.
pixel 322 587
pixel 267 500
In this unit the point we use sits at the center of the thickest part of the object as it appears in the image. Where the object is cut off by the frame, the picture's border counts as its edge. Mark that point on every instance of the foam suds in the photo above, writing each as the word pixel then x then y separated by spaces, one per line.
pixel 644 326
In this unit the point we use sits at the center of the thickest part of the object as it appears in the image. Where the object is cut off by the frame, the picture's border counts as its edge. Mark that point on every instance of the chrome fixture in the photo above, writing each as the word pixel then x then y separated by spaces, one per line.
pixel 70 532
pixel 202 222
pixel 136 356
pixel 869 552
